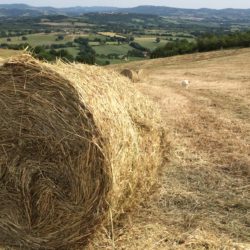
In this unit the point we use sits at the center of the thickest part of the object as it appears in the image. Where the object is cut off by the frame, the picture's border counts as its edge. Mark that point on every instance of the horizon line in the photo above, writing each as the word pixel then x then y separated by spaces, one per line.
pixel 109 6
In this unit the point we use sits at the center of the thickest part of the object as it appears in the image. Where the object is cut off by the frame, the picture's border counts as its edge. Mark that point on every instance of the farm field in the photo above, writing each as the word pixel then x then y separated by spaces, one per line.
pixel 73 51
pixel 38 39
pixel 110 34
pixel 202 197
pixel 119 61
pixel 149 42
pixel 103 49
pixel 67 24
pixel 109 49
pixel 4 53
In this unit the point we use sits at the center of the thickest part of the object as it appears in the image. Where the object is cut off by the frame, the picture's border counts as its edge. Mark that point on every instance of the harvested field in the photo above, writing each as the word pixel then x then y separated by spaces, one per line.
pixel 5 53
pixel 79 147
pixel 202 200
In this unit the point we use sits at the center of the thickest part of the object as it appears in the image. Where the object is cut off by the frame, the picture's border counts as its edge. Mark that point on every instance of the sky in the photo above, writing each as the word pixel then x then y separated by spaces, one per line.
pixel 217 4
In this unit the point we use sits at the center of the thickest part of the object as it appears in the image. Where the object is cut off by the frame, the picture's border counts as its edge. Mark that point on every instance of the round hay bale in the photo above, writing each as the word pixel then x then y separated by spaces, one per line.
pixel 77 144
pixel 131 74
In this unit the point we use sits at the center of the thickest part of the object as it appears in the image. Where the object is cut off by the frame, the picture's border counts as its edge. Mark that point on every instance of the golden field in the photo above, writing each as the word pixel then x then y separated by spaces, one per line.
pixel 202 197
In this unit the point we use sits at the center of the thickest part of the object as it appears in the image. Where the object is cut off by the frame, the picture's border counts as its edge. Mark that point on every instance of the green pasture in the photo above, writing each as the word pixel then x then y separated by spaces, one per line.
pixel 149 42
pixel 110 49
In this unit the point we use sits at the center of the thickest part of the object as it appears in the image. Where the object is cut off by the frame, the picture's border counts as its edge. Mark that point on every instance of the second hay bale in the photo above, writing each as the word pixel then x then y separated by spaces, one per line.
pixel 76 144
pixel 131 74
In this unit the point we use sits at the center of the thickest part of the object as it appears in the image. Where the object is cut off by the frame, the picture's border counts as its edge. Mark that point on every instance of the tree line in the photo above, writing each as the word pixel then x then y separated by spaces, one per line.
pixel 204 43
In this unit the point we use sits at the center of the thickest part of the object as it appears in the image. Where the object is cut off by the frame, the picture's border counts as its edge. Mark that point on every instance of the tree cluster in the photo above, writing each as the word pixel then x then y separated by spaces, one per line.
pixel 204 43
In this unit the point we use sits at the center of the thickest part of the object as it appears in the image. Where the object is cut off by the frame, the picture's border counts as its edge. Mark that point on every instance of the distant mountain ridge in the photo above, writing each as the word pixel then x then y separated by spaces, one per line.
pixel 200 13
pixel 26 10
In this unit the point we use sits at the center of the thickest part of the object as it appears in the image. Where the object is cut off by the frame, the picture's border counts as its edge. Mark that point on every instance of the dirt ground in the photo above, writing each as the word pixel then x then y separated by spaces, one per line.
pixel 201 200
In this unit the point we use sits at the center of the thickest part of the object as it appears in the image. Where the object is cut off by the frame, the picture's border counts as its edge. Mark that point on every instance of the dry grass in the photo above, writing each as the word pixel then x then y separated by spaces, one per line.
pixel 202 200
pixel 181 60
pixel 142 74
pixel 79 146
pixel 110 34
pixel 5 53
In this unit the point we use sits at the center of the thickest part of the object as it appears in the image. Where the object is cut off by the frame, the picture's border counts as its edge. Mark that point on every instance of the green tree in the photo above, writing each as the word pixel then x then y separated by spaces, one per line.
pixel 158 39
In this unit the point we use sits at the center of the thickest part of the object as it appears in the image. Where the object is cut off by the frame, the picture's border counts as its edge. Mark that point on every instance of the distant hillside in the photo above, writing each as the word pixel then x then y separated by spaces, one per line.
pixel 26 10
pixel 198 13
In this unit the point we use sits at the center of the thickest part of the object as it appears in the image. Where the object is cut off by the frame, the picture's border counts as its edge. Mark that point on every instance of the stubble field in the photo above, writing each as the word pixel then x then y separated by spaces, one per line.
pixel 201 200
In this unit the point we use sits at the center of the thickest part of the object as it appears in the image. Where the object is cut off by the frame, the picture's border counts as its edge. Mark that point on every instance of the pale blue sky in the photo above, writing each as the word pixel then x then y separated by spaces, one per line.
pixel 129 3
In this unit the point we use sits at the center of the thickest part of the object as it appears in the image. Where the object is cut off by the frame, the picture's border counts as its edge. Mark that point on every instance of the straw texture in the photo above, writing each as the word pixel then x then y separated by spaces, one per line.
pixel 77 143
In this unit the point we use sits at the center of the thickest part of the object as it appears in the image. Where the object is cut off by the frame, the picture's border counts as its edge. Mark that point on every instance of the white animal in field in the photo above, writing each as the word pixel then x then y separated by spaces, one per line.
pixel 185 84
